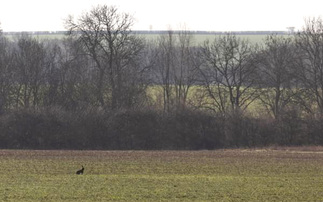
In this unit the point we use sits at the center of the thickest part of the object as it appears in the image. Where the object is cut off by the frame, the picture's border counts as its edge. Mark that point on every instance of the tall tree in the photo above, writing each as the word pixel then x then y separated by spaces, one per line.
pixel 164 62
pixel 186 69
pixel 68 75
pixel 106 37
pixel 30 69
pixel 175 66
pixel 277 73
pixel 6 72
pixel 230 73
pixel 309 42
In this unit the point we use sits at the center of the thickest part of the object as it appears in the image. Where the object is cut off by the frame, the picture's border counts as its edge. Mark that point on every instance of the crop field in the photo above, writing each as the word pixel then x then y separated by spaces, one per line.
pixel 285 174
pixel 196 40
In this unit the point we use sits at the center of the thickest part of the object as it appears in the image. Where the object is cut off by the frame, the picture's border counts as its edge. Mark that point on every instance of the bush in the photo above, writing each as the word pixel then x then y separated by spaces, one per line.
pixel 93 128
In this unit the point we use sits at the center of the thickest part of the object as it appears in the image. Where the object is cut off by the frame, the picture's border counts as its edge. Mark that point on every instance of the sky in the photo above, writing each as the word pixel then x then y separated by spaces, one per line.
pixel 203 15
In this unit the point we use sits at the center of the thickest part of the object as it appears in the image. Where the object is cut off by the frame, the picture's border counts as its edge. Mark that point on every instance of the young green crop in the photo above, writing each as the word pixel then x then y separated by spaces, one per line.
pixel 226 175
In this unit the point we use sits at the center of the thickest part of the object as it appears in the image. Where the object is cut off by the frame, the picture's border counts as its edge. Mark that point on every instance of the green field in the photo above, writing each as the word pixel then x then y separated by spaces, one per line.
pixel 197 38
pixel 200 38
pixel 223 175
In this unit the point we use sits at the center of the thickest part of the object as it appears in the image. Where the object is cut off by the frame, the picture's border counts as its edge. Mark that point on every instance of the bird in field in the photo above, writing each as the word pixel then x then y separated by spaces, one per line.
pixel 80 172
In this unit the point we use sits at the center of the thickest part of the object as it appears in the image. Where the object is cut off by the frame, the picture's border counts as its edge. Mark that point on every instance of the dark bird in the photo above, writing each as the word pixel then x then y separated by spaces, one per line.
pixel 80 172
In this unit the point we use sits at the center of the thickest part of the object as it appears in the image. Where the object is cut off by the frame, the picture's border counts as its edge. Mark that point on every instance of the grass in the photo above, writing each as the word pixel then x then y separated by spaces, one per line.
pixel 224 175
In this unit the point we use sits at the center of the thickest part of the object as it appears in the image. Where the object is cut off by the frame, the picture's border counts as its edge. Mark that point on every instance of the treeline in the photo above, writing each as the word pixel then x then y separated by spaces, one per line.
pixel 103 87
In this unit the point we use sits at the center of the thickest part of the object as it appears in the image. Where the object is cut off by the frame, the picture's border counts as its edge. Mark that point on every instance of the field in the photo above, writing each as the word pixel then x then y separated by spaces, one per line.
pixel 197 38
pixel 222 175
pixel 200 38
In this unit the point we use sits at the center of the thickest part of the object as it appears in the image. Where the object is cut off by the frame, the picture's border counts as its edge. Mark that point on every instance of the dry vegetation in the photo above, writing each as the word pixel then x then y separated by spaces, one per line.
pixel 271 174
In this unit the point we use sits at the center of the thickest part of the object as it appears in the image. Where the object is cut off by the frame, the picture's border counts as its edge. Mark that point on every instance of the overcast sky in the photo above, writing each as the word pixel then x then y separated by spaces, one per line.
pixel 209 15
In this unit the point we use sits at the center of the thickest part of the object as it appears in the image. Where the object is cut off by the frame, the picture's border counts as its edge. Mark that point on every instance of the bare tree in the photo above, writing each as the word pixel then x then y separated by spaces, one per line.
pixel 229 73
pixel 30 58
pixel 69 75
pixel 6 72
pixel 175 65
pixel 164 66
pixel 310 44
pixel 52 62
pixel 277 73
pixel 106 37
pixel 186 69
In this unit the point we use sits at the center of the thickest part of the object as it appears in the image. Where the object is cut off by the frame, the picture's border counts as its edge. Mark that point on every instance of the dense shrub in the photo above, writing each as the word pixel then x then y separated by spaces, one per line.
pixel 33 129
pixel 54 128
